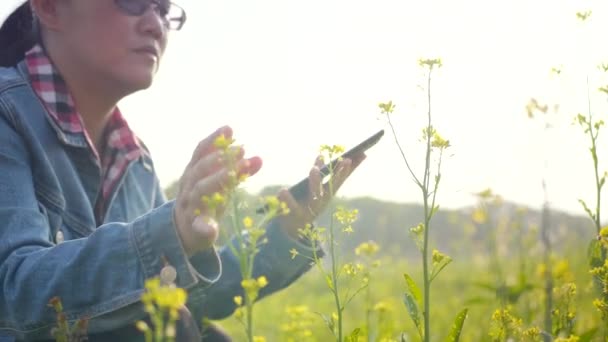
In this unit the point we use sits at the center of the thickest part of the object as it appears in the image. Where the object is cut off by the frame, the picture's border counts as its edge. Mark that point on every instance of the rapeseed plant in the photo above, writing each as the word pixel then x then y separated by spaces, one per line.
pixel 417 303
pixel 63 332
pixel 367 250
pixel 162 302
pixel 249 234
pixel 298 325
pixel 596 252
pixel 350 275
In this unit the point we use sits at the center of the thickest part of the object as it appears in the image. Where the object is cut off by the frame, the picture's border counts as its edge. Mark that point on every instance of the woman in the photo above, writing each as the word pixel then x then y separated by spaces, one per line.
pixel 82 215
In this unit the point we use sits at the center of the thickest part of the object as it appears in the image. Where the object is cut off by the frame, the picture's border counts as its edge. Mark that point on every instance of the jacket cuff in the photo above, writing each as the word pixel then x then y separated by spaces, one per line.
pixel 157 243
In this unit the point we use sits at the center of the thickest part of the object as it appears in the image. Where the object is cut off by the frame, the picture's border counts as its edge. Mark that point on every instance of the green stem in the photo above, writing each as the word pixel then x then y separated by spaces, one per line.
pixel 160 327
pixel 593 135
pixel 427 219
pixel 598 186
pixel 368 299
pixel 334 263
pixel 250 320
pixel 549 271
pixel 334 278
pixel 425 265
pixel 390 123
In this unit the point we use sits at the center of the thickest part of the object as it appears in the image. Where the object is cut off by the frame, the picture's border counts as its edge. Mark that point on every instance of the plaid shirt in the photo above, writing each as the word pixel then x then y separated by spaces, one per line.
pixel 120 145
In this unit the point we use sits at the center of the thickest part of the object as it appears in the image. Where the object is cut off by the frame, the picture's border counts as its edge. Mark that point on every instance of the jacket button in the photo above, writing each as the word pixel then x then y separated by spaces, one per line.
pixel 168 274
pixel 59 237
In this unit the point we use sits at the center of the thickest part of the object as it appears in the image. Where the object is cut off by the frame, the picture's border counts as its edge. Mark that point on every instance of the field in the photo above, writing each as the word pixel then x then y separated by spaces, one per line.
pixel 458 287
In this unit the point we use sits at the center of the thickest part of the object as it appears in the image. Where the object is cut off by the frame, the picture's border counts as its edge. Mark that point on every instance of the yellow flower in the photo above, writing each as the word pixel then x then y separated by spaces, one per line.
pixel 262 281
pixel 332 150
pixel 273 203
pixel 293 252
pixel 532 333
pixel 247 222
pixel 218 199
pixel 284 208
pixel 142 326
pixel 238 300
pixel 249 284
pixel 439 142
pixel 541 270
pixel 582 16
pixel 222 143
pixel 438 257
pixel 561 270
pixel 418 229
pixel 165 297
pixel 367 248
pixel 238 313
pixel 352 269
pixel 296 310
pixel 346 217
pixel 430 62
pixel 382 306
pixel 387 108
pixel 603 237
pixel 259 339
pixel 479 216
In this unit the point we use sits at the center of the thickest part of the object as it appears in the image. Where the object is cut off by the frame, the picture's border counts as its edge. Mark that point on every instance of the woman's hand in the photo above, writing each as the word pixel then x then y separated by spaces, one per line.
pixel 205 175
pixel 304 212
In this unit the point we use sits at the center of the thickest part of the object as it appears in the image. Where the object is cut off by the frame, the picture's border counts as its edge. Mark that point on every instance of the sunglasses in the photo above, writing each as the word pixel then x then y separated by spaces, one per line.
pixel 173 15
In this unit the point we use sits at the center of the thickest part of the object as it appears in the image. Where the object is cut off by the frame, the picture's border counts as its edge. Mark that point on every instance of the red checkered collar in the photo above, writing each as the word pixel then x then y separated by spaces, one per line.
pixel 52 89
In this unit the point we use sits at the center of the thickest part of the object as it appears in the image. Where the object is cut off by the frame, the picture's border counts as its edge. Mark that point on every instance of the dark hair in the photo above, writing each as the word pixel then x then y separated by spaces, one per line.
pixel 18 34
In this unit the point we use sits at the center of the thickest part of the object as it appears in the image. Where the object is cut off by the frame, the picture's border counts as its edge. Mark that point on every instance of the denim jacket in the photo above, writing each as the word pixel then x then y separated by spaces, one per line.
pixel 51 244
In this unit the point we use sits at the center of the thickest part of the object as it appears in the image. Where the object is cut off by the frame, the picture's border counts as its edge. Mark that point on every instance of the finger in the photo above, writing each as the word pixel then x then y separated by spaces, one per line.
pixel 343 170
pixel 221 179
pixel 210 164
pixel 295 209
pixel 206 187
pixel 251 167
pixel 315 187
pixel 205 230
pixel 206 145
pixel 319 162
pixel 357 160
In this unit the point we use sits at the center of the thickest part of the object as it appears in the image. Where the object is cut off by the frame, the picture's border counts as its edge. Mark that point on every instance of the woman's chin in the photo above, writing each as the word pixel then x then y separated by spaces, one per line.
pixel 136 81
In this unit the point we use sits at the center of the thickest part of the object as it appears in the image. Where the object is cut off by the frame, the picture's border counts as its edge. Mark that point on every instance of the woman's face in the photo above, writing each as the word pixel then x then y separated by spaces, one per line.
pixel 114 46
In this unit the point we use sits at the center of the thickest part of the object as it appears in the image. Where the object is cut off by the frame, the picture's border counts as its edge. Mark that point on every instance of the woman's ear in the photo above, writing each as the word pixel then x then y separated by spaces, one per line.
pixel 48 13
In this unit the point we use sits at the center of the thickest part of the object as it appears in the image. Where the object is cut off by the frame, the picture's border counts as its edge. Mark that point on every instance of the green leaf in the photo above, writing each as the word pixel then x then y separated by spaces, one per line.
pixel 434 210
pixel 354 335
pixel 413 289
pixel 487 286
pixel 588 335
pixel 328 322
pixel 457 326
pixel 478 300
pixel 439 268
pixel 594 254
pixel 595 259
pixel 587 210
pixel 412 309
pixel 330 282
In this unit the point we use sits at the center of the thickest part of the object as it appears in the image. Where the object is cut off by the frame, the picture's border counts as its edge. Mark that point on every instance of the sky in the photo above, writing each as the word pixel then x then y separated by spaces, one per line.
pixel 288 76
